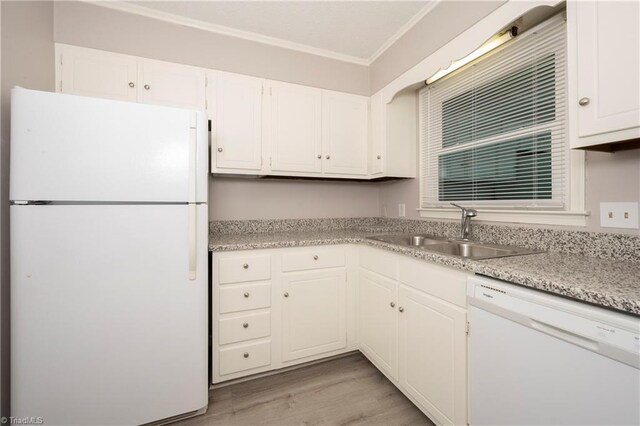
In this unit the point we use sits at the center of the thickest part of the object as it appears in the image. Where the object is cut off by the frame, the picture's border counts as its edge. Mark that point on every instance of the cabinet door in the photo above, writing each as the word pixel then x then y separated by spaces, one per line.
pixel 295 133
pixel 89 72
pixel 608 66
pixel 173 85
pixel 344 134
pixel 376 135
pixel 378 320
pixel 237 130
pixel 313 314
pixel 433 355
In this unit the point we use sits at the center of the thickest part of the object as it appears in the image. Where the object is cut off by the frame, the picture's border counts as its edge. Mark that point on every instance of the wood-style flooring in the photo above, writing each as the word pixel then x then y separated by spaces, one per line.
pixel 343 391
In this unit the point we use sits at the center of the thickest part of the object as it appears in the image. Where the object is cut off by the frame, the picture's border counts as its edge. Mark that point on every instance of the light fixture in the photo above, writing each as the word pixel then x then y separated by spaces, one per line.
pixel 485 48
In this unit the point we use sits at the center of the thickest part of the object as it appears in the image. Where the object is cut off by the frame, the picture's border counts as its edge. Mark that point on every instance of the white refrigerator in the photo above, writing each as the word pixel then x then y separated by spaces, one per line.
pixel 109 230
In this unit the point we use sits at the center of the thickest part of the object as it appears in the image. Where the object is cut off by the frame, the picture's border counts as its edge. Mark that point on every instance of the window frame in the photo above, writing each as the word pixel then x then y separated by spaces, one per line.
pixel 572 213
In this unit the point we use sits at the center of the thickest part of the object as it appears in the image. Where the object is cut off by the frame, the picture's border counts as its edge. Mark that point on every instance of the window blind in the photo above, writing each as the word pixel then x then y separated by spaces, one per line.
pixel 493 133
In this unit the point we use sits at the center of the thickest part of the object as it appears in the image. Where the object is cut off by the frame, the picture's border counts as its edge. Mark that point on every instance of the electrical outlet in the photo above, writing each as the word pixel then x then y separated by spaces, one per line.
pixel 383 211
pixel 401 210
pixel 619 215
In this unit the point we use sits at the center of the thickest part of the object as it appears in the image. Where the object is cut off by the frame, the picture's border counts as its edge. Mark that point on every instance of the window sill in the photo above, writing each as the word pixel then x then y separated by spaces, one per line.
pixel 540 217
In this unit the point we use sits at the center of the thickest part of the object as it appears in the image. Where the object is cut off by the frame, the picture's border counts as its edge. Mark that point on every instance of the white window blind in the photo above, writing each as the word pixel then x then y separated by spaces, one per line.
pixel 493 133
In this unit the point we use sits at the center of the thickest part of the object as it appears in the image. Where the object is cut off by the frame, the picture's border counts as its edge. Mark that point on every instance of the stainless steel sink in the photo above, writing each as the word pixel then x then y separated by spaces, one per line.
pixel 463 249
pixel 411 240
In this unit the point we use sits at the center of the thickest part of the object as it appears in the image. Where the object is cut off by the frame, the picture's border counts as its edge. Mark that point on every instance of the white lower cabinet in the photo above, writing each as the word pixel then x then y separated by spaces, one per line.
pixel 276 308
pixel 378 321
pixel 433 355
pixel 313 314
pixel 412 326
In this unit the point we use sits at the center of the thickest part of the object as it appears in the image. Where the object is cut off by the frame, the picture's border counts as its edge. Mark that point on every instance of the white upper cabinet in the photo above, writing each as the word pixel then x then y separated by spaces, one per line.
pixel 376 131
pixel 95 73
pixel 344 133
pixel 295 117
pixel 236 134
pixel 173 85
pixel 89 72
pixel 604 65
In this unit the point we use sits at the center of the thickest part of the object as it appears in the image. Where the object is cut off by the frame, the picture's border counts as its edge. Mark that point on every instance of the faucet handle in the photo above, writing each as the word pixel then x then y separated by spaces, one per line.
pixel 458 206
pixel 467 212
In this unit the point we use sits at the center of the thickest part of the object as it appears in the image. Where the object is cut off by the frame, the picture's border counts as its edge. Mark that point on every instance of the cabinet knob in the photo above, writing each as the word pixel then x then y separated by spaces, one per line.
pixel 379 157
pixel 246 294
pixel 147 87
pixel 584 101
pixel 246 355
pixel 245 266
pixel 392 304
pixel 319 157
pixel 132 84
pixel 401 309
pixel 327 157
pixel 219 149
pixel 245 325
pixel 315 257
pixel 286 295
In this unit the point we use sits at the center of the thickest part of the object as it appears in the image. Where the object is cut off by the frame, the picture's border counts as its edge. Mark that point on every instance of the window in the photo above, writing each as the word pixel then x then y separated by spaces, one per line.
pixel 493 134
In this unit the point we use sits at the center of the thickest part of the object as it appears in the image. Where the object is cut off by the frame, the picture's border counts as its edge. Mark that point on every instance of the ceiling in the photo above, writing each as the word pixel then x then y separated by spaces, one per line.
pixel 356 31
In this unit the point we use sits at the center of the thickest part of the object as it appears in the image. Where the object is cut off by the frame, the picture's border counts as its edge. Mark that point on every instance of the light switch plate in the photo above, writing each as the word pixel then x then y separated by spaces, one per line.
pixel 401 210
pixel 619 215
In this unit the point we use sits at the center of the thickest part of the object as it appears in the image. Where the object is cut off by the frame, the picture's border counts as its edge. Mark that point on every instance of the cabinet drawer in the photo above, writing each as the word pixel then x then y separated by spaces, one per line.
pixel 244 268
pixel 440 281
pixel 245 357
pixel 244 297
pixel 244 327
pixel 316 258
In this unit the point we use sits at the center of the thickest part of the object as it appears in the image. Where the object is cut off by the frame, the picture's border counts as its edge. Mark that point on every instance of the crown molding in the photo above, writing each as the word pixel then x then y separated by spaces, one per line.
pixel 228 31
pixel 403 30
pixel 137 9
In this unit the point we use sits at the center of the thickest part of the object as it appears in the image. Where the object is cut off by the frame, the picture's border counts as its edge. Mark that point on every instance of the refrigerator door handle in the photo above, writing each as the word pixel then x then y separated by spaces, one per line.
pixel 193 249
pixel 193 173
pixel 193 157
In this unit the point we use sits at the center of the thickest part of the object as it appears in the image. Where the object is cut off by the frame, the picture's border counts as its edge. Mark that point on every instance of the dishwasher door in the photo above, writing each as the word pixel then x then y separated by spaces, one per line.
pixel 537 359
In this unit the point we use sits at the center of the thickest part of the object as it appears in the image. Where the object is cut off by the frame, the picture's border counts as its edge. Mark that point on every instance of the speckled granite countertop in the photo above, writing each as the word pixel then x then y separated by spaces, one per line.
pixel 609 283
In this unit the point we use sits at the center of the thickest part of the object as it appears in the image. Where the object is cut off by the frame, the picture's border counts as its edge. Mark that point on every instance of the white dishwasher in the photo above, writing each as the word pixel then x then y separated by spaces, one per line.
pixel 539 359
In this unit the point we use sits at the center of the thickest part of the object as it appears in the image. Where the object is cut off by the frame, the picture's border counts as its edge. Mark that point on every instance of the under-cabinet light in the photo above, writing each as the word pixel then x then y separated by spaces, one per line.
pixel 485 48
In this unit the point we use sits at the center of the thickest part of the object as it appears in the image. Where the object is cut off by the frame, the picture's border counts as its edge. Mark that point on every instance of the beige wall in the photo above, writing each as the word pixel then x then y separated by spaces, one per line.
pixel 443 23
pixel 28 61
pixel 93 26
pixel 247 198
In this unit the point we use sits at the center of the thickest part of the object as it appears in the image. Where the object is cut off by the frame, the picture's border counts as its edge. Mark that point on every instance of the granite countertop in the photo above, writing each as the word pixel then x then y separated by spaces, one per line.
pixel 613 284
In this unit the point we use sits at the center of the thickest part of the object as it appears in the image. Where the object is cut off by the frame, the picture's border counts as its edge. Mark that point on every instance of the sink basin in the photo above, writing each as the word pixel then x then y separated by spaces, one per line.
pixel 463 249
pixel 417 240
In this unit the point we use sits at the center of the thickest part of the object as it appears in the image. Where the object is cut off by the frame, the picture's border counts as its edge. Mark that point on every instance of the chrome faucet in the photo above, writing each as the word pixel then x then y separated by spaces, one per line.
pixel 465 223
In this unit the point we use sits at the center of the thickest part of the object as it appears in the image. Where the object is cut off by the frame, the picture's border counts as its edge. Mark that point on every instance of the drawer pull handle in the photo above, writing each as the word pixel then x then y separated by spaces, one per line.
pixel 393 304
pixel 246 294
pixel 132 84
pixel 246 355
pixel 245 266
pixel 584 101
pixel 245 325
pixel 401 309
pixel 315 257
pixel 286 295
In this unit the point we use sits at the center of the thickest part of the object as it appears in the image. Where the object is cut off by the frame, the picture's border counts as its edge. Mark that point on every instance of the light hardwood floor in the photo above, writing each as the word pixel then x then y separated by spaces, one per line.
pixel 343 391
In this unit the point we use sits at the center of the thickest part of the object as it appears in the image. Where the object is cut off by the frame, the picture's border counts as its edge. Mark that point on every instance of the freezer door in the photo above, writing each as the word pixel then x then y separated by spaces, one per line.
pixel 106 325
pixel 75 148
